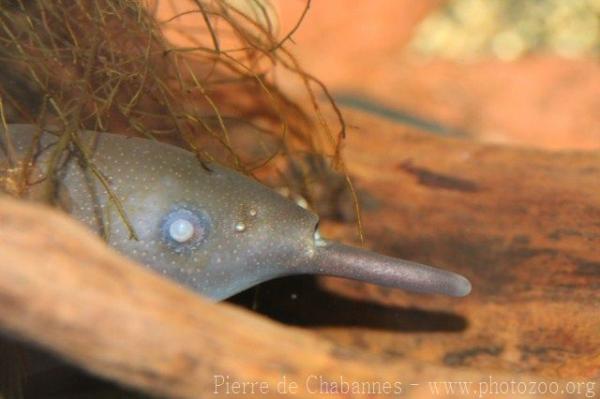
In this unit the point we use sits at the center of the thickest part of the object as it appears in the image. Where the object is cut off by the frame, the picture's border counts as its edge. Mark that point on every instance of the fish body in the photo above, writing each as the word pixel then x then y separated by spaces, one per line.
pixel 211 229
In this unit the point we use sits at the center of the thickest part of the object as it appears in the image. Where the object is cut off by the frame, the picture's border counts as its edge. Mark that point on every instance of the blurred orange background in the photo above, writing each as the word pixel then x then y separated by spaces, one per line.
pixel 541 100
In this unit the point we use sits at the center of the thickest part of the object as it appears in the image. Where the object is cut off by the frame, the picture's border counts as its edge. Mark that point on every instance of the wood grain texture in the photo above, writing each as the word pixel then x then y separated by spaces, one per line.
pixel 522 224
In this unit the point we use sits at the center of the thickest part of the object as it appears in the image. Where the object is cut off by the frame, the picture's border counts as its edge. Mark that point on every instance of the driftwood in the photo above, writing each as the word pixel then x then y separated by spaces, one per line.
pixel 64 290
pixel 522 224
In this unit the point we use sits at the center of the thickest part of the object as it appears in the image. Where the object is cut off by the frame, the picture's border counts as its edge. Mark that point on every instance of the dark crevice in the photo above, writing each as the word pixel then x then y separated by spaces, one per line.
pixel 300 301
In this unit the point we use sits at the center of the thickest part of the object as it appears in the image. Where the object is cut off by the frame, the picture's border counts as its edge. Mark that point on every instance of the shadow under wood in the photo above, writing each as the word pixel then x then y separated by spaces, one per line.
pixel 28 372
pixel 300 301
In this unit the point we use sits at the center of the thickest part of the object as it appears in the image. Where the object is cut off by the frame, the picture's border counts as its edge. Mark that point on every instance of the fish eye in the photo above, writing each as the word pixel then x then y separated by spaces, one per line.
pixel 181 230
pixel 184 228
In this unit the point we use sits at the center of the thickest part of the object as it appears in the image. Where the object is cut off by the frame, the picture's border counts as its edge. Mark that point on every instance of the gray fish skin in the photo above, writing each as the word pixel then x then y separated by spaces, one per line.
pixel 217 232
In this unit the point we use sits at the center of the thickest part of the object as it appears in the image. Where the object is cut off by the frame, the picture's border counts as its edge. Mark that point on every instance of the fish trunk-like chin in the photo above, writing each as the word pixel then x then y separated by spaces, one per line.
pixel 340 260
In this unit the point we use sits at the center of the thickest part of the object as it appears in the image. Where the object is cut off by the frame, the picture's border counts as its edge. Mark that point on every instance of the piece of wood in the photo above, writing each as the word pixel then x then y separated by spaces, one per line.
pixel 522 224
pixel 64 290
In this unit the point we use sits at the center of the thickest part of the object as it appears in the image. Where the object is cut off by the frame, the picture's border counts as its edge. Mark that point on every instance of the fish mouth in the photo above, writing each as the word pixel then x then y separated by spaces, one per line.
pixel 335 259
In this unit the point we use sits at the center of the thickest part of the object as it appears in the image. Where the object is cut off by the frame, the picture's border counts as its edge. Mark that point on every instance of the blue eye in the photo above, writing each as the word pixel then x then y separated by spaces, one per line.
pixel 185 229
